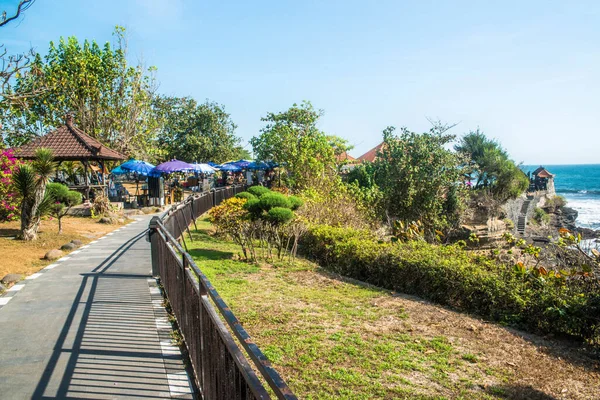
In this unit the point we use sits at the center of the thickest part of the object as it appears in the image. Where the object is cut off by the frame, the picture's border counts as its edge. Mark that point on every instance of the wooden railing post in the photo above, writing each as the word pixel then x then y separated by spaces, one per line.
pixel 153 239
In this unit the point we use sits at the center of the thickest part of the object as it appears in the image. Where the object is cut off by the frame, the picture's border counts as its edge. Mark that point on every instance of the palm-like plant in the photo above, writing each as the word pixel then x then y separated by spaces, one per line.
pixel 30 182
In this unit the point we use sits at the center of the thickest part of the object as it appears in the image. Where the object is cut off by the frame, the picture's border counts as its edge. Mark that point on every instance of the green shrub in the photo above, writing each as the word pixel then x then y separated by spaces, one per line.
pixel 541 216
pixel 296 202
pixel 451 276
pixel 258 191
pixel 245 195
pixel 253 207
pixel 510 225
pixel 271 200
pixel 280 215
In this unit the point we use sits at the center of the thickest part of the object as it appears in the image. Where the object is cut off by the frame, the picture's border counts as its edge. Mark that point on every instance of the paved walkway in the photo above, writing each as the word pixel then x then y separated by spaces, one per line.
pixel 91 325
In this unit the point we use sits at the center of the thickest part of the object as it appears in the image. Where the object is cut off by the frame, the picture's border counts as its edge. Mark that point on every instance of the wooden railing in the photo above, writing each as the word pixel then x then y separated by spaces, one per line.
pixel 219 361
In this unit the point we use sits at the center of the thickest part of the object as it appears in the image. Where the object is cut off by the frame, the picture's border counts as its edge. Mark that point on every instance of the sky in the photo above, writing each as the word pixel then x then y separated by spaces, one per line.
pixel 526 73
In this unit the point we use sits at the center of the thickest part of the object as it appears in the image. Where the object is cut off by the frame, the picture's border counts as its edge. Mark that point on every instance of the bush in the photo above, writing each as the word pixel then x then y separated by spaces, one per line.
pixel 9 201
pixel 271 200
pixel 280 215
pixel 554 203
pixel 451 276
pixel 541 216
pixel 510 225
pixel 296 202
pixel 245 195
pixel 258 191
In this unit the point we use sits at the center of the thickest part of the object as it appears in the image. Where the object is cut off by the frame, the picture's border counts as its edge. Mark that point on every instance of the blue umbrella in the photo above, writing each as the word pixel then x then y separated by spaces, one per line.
pixel 230 167
pixel 212 164
pixel 258 165
pixel 241 163
pixel 204 168
pixel 118 171
pixel 140 167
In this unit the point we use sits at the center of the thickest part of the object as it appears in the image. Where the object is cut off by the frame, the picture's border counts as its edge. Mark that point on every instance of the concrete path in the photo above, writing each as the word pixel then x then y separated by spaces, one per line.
pixel 91 325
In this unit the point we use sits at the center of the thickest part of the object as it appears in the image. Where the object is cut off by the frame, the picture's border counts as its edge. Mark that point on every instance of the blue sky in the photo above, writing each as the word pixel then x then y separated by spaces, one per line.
pixel 526 72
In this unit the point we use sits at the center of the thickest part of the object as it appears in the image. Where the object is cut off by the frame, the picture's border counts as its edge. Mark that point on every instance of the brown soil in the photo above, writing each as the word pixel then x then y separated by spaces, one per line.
pixel 26 258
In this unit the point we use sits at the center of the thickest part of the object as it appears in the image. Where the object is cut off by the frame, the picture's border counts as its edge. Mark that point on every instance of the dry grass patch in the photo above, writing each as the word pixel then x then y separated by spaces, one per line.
pixel 333 338
pixel 26 258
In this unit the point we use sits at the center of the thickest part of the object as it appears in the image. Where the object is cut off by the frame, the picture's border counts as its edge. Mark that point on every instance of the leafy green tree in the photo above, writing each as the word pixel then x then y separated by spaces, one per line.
pixel 61 200
pixel 196 132
pixel 111 100
pixel 30 182
pixel 293 139
pixel 491 166
pixel 420 179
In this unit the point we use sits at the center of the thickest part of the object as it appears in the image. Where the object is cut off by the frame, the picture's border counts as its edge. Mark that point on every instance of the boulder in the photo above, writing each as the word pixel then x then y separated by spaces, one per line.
pixel 53 254
pixel 68 247
pixel 106 220
pixel 77 242
pixel 121 221
pixel 11 278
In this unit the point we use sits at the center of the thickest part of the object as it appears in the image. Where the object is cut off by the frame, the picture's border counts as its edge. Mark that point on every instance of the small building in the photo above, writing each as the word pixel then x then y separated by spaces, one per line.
pixel 69 143
pixel 542 180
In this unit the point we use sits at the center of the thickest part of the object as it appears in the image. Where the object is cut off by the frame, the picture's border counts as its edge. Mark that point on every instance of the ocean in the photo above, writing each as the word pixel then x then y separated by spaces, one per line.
pixel 580 185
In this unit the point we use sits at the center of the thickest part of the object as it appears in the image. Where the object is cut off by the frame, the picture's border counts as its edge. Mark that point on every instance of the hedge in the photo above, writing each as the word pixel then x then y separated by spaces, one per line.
pixel 451 276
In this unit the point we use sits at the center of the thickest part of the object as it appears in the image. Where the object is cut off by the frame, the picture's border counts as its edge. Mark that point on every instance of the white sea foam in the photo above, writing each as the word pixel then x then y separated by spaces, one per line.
pixel 589 212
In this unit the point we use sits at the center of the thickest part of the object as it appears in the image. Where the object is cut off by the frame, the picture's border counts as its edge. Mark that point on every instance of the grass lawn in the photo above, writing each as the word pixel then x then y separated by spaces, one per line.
pixel 26 258
pixel 335 339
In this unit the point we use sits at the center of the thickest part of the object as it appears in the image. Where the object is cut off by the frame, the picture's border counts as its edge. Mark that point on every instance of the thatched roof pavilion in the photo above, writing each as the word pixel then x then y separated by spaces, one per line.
pixel 69 143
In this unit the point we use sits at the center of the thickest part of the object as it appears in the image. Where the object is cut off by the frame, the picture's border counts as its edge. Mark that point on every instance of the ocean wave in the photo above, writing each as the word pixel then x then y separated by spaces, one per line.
pixel 579 191
pixel 588 212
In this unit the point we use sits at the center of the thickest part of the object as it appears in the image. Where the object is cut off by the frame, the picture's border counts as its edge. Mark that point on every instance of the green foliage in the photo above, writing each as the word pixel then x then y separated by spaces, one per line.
pixel 541 216
pixel 253 207
pixel 419 179
pixel 280 215
pixel 30 182
pixel 111 100
pixel 554 203
pixel 245 195
pixel 258 190
pixel 510 225
pixel 492 166
pixel 295 202
pixel 451 276
pixel 271 200
pixel 192 131
pixel 61 200
pixel 292 137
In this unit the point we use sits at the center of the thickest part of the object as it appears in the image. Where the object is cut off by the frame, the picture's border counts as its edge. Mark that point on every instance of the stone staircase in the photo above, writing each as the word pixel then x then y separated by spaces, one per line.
pixel 522 222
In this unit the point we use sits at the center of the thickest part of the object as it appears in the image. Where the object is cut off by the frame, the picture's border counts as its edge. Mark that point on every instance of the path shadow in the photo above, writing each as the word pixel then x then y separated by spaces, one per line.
pixel 206 254
pixel 8 232
pixel 518 392
pixel 109 347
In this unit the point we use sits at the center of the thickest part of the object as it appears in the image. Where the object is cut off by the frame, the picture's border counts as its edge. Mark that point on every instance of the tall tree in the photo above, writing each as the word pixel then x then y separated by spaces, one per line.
pixel 292 137
pixel 111 100
pixel 420 178
pixel 195 132
pixel 491 166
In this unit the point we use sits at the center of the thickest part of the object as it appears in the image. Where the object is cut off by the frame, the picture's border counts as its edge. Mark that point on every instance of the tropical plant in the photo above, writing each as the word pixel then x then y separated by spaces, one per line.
pixel 30 182
pixel 61 201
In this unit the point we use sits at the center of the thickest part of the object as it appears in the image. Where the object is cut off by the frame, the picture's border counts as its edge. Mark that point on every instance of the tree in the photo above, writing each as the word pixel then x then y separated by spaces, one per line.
pixel 21 7
pixel 420 179
pixel 9 203
pixel 30 182
pixel 492 167
pixel 195 132
pixel 61 199
pixel 110 99
pixel 293 139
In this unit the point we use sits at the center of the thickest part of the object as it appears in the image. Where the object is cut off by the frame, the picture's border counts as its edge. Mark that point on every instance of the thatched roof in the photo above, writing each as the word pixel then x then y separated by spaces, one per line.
pixel 69 143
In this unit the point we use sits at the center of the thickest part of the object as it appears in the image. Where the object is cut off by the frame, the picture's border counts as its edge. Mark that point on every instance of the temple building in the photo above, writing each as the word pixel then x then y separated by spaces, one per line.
pixel 541 180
